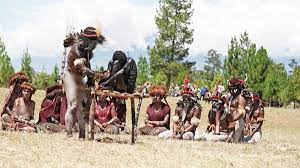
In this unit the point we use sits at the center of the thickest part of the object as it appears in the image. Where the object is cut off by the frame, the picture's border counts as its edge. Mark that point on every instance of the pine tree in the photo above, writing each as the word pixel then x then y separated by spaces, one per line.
pixel 213 65
pixel 256 67
pixel 173 20
pixel 239 51
pixel 275 84
pixel 26 65
pixel 54 75
pixel 143 70
pixel 6 69
pixel 42 80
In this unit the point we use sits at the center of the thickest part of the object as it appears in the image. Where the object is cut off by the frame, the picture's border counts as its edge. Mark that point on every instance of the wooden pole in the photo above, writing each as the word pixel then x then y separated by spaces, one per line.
pixel 92 116
pixel 132 121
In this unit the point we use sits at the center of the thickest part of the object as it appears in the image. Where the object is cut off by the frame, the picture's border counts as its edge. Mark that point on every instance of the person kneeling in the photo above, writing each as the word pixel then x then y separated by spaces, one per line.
pixel 157 114
pixel 106 116
pixel 21 118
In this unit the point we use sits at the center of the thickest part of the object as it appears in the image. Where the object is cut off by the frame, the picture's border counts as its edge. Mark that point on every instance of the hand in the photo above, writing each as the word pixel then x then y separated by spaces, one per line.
pixel 100 75
pixel 149 125
pixel 31 122
pixel 105 124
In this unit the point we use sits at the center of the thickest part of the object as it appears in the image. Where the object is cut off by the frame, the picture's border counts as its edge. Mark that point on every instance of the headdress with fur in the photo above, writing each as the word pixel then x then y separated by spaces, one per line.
pixel 93 33
pixel 53 91
pixel 26 85
pixel 236 81
pixel 158 91
pixel 20 77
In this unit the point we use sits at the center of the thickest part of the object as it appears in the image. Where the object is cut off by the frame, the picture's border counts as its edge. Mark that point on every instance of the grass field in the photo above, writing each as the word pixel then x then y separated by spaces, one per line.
pixel 280 147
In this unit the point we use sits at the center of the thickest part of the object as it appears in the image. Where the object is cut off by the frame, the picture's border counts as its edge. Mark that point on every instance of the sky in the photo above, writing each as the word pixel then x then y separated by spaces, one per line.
pixel 129 25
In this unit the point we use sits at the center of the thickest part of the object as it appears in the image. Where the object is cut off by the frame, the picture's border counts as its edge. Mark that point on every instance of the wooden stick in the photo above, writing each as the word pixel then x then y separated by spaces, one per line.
pixel 132 121
pixel 92 116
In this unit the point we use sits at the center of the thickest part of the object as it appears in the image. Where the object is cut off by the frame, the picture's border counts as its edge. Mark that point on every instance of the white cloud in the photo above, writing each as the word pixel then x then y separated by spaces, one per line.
pixel 271 23
pixel 124 24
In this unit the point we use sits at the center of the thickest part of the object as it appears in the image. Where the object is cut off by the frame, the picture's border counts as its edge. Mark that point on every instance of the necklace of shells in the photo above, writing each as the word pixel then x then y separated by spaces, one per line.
pixel 157 110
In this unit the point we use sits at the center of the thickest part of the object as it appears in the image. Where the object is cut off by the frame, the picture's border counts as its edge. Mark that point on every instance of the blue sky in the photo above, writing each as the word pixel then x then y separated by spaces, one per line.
pixel 128 25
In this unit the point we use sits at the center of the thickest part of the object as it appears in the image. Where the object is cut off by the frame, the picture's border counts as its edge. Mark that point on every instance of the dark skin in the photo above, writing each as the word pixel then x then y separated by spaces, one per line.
pixel 24 106
pixel 157 106
pixel 257 119
pixel 180 128
pixel 103 104
pixel 236 104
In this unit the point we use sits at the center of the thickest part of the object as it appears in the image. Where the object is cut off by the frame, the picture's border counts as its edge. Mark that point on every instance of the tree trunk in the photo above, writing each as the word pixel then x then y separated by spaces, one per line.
pixel 168 80
pixel 294 104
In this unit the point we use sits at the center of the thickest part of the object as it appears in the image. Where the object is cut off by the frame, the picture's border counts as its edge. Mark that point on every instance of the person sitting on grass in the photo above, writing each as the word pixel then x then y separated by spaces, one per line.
pixel 53 109
pixel 14 92
pixel 157 114
pixel 105 116
pixel 254 121
pixel 186 119
pixel 21 118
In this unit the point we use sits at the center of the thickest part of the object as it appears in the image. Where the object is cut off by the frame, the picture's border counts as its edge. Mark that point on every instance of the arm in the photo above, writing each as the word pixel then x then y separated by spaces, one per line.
pixel 98 124
pixel 195 120
pixel 160 123
pixel 113 114
pixel 260 121
pixel 32 112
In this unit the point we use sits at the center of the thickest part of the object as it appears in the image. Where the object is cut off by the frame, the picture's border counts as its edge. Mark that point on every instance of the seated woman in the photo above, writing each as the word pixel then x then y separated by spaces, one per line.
pixel 186 119
pixel 106 116
pixel 21 118
pixel 158 113
pixel 53 109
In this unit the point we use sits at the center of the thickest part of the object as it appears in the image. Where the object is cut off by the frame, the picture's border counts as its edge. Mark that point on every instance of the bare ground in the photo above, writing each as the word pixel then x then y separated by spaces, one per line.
pixel 280 147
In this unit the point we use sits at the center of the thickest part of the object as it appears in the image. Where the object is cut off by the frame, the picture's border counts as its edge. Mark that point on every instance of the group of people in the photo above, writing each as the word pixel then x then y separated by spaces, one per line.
pixel 234 117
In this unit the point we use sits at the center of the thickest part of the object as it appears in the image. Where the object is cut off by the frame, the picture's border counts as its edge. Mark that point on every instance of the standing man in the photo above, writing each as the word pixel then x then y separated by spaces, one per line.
pixel 78 66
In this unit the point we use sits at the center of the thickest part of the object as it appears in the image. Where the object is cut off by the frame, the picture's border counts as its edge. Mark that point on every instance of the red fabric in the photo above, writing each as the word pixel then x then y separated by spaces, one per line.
pixel 159 115
pixel 47 110
pixel 103 116
pixel 53 108
pixel 63 110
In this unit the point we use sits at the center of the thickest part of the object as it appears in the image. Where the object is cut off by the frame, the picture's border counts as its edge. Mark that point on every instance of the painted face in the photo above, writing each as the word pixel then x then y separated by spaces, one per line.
pixel 234 90
pixel 26 93
pixel 216 105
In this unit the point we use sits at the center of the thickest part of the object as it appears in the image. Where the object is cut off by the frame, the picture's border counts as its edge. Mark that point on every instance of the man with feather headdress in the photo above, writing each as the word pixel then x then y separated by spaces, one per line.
pixel 78 66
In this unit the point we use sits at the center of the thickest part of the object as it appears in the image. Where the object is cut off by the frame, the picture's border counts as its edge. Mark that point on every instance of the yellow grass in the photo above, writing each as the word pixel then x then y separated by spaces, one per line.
pixel 280 147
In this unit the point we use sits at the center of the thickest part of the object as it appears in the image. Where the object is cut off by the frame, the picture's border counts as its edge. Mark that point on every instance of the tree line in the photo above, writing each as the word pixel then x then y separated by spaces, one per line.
pixel 168 63
pixel 41 80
